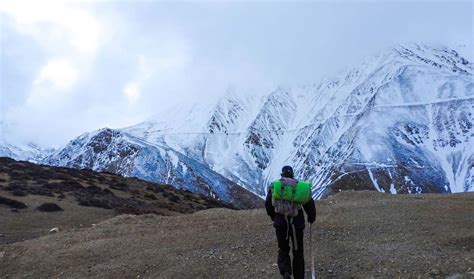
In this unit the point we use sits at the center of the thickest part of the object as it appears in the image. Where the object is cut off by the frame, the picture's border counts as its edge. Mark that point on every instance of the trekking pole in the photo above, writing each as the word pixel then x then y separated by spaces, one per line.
pixel 313 273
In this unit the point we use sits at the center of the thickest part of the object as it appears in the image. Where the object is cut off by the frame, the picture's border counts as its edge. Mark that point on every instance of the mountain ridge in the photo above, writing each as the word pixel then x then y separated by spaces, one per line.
pixel 322 129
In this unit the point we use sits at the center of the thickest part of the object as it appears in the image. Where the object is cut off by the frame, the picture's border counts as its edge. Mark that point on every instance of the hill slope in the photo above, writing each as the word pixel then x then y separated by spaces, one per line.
pixel 85 197
pixel 358 234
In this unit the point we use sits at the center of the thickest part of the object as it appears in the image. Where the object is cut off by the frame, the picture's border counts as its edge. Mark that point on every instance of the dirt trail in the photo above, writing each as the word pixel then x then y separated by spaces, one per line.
pixel 358 234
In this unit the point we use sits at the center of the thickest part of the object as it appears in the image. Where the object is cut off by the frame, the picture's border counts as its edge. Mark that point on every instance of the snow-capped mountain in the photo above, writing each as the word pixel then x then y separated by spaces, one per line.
pixel 400 122
pixel 29 152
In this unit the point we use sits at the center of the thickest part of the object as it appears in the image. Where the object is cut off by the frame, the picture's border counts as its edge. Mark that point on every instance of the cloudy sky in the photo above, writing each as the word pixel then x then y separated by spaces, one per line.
pixel 70 67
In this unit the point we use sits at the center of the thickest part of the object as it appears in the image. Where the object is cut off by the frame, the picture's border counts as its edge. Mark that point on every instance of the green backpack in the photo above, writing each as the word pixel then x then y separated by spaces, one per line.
pixel 299 194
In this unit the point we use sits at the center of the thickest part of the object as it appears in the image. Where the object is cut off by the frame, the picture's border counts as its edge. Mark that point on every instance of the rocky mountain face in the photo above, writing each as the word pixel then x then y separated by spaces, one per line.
pixel 402 122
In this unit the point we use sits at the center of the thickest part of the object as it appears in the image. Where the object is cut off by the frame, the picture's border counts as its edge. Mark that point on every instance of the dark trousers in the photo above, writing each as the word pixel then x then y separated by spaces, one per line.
pixel 284 262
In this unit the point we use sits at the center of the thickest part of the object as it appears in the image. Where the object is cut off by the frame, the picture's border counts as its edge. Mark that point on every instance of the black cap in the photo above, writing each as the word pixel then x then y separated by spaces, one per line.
pixel 287 171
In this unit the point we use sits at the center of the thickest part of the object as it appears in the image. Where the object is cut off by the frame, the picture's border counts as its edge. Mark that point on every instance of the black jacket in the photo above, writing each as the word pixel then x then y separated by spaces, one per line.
pixel 298 221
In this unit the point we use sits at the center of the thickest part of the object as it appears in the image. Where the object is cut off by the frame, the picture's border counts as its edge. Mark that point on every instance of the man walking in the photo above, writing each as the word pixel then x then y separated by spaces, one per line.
pixel 285 199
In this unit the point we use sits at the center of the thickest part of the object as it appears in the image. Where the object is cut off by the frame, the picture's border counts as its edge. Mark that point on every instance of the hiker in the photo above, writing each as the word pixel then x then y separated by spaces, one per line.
pixel 284 206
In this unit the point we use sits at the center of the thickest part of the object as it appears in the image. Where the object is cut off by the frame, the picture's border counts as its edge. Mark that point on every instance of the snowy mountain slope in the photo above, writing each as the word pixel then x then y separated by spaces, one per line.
pixel 358 139
pixel 118 152
pixel 348 124
pixel 30 152
pixel 431 138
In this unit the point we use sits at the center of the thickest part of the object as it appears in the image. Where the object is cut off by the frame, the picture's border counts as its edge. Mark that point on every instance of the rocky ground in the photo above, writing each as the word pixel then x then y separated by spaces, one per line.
pixel 357 234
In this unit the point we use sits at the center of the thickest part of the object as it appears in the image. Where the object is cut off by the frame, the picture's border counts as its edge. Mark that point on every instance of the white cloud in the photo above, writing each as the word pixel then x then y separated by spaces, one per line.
pixel 133 89
pixel 68 37
pixel 61 74
pixel 64 38
pixel 82 29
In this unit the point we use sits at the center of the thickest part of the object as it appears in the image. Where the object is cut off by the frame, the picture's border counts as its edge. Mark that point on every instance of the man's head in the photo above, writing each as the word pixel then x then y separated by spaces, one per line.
pixel 287 171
